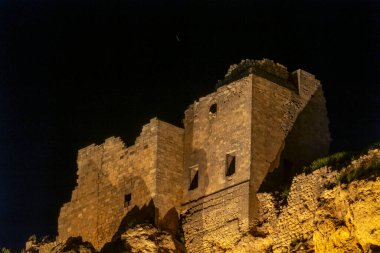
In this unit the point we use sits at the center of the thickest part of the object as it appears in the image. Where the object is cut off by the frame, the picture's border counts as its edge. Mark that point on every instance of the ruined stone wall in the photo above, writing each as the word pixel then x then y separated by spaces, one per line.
pixel 210 136
pixel 217 220
pixel 295 219
pixel 169 175
pixel 265 68
pixel 110 171
pixel 268 211
pixel 79 217
pixel 212 169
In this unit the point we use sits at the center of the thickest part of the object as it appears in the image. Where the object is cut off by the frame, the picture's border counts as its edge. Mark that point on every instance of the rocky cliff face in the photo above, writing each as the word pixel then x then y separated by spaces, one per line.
pixel 348 219
pixel 331 209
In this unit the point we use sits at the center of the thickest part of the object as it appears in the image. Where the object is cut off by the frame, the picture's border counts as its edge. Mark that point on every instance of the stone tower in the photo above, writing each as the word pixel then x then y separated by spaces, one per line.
pixel 261 119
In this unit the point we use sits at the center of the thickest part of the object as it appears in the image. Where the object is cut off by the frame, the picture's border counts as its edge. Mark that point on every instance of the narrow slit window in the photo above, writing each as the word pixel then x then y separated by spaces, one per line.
pixel 230 165
pixel 193 177
pixel 127 199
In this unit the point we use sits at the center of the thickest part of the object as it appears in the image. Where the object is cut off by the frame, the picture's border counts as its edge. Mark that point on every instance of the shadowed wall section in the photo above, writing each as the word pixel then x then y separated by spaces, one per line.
pixel 287 126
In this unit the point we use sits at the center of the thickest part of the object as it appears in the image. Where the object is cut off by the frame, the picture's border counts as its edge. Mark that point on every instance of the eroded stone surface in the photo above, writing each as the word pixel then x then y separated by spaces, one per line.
pixel 345 218
pixel 349 219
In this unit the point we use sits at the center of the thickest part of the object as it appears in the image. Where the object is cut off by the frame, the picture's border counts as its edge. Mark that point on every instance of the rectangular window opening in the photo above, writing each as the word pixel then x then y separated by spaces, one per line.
pixel 127 199
pixel 193 177
pixel 230 165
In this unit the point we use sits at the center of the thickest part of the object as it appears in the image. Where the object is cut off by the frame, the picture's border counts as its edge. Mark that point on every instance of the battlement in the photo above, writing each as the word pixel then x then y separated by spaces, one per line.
pixel 266 65
pixel 267 69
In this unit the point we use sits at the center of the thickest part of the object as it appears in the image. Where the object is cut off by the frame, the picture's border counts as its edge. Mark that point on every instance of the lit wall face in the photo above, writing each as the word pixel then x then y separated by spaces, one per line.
pixel 217 147
pixel 217 140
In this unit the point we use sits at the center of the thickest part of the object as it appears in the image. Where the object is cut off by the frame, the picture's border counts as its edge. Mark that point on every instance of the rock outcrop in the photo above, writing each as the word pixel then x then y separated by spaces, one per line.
pixel 142 238
pixel 149 239
pixel 348 219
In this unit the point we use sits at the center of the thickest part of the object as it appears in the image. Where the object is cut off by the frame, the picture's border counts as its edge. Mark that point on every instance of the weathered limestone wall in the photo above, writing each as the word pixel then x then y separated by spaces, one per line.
pixel 274 111
pixel 169 175
pixel 84 199
pixel 311 129
pixel 260 117
pixel 110 171
pixel 268 213
pixel 211 135
pixel 295 219
pixel 217 220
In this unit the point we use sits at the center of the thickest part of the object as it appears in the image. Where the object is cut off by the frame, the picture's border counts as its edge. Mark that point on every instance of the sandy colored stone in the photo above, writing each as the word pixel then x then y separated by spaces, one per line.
pixel 344 218
pixel 261 116
pixel 146 238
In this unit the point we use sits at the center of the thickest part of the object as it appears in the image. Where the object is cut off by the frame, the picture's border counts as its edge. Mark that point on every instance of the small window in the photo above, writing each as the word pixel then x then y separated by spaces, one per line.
pixel 193 177
pixel 213 109
pixel 127 199
pixel 230 165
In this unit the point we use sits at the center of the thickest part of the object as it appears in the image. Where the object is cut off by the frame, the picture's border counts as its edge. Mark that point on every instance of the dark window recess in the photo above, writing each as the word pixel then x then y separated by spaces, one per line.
pixel 127 199
pixel 194 181
pixel 230 166
pixel 213 108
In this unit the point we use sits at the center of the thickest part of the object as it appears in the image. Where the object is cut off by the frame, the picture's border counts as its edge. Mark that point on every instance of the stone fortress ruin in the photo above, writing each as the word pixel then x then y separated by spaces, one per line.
pixel 260 120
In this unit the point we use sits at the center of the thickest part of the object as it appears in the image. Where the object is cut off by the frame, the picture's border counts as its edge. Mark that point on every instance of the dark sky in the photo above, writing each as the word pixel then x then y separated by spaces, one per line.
pixel 76 72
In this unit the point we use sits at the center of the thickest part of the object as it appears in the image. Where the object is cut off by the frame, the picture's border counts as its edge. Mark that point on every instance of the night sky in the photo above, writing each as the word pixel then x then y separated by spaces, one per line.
pixel 75 72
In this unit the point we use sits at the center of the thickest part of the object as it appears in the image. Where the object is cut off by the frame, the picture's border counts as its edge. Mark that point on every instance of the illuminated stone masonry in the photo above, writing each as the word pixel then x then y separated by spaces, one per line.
pixel 260 119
